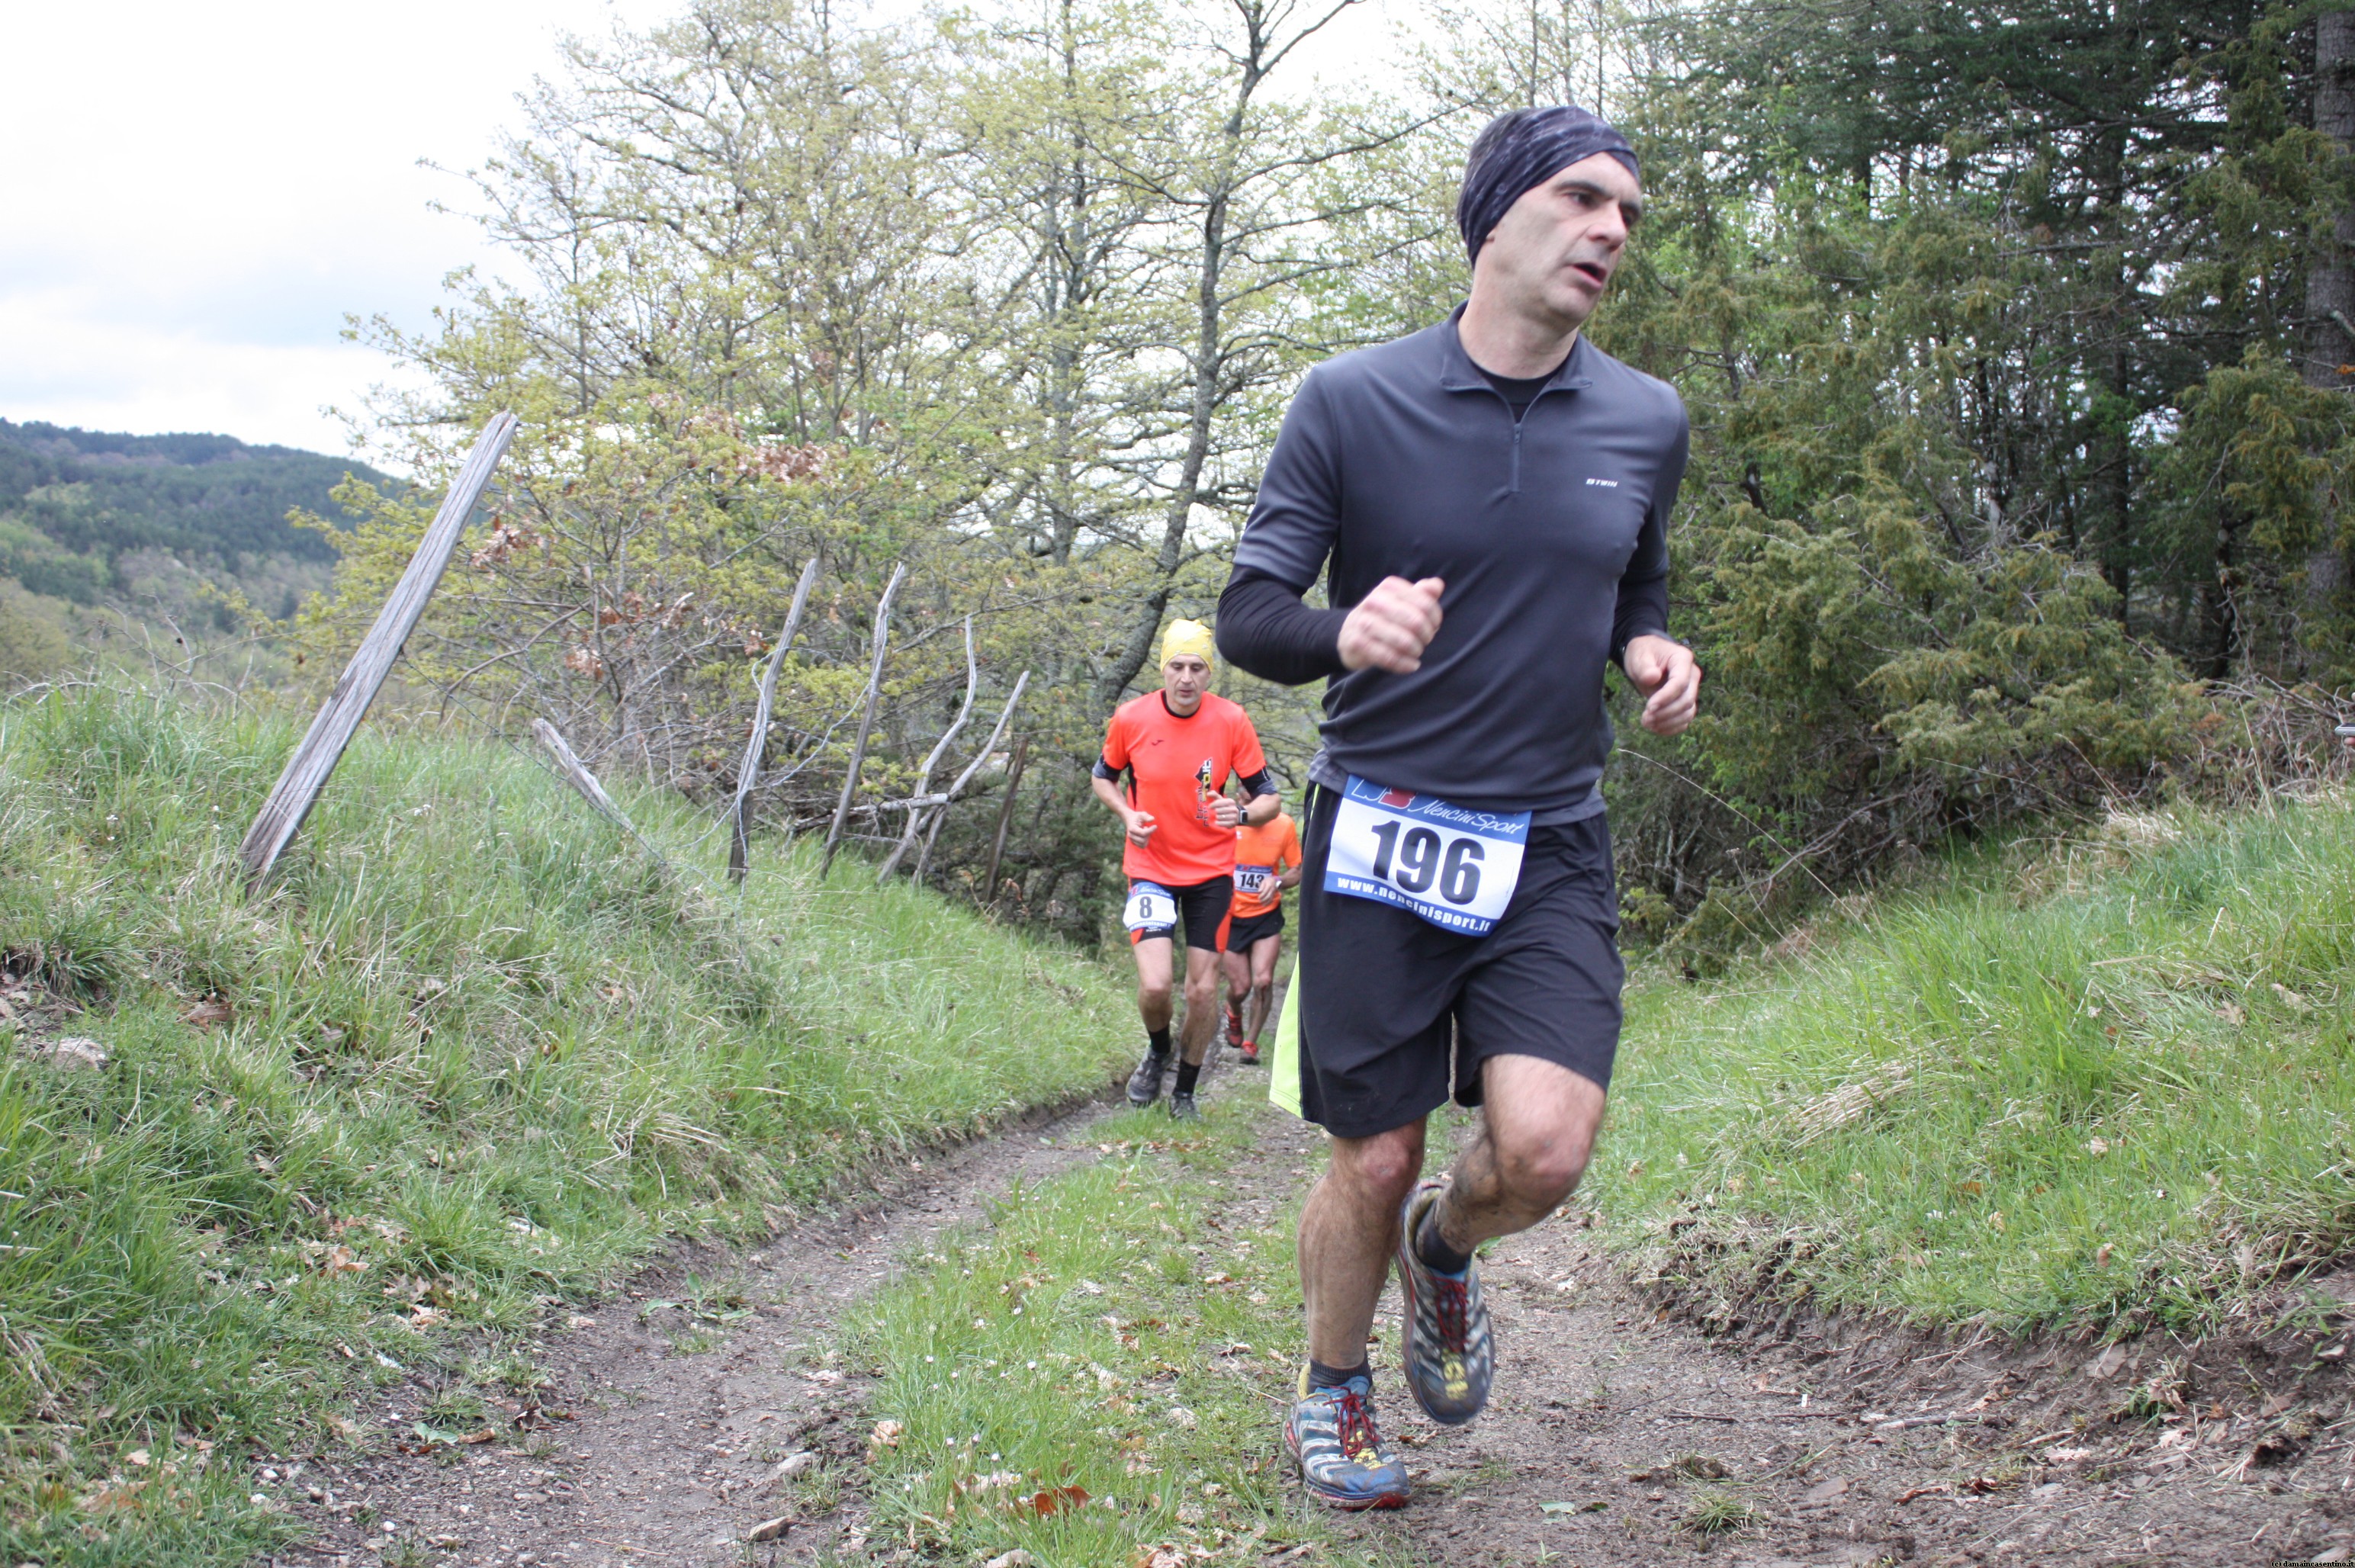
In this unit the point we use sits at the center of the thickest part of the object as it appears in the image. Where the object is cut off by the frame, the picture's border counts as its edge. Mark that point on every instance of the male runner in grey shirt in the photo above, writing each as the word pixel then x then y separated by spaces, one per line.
pixel 1492 495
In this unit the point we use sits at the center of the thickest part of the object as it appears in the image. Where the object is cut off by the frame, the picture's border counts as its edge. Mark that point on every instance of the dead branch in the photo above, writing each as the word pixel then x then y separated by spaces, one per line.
pixel 924 775
pixel 747 774
pixel 866 719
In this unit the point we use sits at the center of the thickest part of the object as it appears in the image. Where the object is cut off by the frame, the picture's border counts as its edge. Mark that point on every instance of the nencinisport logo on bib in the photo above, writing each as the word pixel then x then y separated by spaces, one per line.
pixel 1454 866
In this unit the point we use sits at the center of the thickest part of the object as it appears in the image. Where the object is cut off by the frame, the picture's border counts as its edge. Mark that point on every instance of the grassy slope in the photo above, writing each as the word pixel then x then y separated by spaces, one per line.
pixel 482 1054
pixel 2111 1087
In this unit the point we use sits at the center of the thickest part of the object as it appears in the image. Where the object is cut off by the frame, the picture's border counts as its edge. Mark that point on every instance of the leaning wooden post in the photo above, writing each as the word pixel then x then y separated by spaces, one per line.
pixel 339 716
pixel 576 773
pixel 866 719
pixel 1005 816
pixel 747 773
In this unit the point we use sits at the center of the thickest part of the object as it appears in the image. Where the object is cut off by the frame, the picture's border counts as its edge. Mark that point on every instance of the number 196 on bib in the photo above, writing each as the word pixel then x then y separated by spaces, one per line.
pixel 1454 866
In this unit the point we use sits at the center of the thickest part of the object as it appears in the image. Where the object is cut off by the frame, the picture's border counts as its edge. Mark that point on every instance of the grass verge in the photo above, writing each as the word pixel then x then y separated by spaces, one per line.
pixel 473 1053
pixel 2107 1087
pixel 1098 1377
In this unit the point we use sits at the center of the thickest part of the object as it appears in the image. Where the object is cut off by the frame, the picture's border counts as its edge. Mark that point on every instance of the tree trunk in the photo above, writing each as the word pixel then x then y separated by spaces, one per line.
pixel 1208 365
pixel 2330 276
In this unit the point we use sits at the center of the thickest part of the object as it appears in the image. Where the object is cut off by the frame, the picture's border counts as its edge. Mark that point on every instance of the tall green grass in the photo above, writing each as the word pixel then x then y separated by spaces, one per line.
pixel 1099 1376
pixel 2110 1086
pixel 483 1051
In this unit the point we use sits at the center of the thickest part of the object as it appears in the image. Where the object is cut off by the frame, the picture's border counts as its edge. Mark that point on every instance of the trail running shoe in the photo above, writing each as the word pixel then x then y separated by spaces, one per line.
pixel 1234 1028
pixel 1450 1355
pixel 1144 1083
pixel 1330 1435
pixel 1248 1052
pixel 1183 1109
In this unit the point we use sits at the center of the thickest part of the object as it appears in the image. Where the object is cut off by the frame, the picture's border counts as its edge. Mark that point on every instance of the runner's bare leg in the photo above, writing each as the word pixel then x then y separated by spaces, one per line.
pixel 1154 956
pixel 1264 956
pixel 1537 1132
pixel 1347 1229
pixel 1201 1004
pixel 1237 968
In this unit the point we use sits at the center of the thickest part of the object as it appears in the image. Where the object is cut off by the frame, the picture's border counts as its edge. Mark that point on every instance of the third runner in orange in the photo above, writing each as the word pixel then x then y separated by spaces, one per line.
pixel 1267 862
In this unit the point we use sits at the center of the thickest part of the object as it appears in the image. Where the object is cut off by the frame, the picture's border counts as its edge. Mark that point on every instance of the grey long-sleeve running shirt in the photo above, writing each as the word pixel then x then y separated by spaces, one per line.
pixel 1551 531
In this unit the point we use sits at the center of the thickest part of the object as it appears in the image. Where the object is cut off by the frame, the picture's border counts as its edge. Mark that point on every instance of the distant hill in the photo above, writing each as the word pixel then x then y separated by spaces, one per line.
pixel 75 503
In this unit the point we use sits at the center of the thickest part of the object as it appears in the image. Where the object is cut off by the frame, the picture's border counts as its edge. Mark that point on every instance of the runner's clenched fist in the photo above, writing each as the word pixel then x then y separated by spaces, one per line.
pixel 1669 679
pixel 1390 626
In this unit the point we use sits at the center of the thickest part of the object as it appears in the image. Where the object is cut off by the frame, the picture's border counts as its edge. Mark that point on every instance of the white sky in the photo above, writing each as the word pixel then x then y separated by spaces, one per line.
pixel 194 196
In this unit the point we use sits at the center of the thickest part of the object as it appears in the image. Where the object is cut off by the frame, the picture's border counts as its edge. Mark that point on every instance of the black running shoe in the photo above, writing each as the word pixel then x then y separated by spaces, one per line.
pixel 1144 1083
pixel 1183 1109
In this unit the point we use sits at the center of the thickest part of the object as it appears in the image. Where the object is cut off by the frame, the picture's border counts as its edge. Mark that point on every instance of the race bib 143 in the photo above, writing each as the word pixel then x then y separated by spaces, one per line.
pixel 1454 866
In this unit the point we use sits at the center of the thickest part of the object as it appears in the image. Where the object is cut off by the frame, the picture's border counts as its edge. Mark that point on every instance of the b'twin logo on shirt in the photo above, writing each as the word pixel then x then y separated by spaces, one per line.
pixel 1605 484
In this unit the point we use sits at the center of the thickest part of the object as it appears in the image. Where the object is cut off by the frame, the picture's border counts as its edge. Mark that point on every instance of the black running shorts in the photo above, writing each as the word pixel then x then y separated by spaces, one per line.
pixel 1245 932
pixel 1394 1012
pixel 1201 913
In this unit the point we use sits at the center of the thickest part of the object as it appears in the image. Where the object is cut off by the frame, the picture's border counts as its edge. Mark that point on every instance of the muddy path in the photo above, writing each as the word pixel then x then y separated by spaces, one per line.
pixel 1832 1446
pixel 668 1410
pixel 1618 1431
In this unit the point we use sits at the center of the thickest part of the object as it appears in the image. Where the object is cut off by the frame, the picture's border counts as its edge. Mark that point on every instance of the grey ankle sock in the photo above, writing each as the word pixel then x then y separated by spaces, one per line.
pixel 1322 1376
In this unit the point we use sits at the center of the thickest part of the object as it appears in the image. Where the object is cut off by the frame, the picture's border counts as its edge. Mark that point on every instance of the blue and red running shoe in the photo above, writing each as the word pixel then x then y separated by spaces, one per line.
pixel 1450 1354
pixel 1330 1435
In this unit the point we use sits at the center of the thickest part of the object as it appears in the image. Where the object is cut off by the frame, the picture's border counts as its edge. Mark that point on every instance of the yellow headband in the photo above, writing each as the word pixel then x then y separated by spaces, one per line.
pixel 1185 637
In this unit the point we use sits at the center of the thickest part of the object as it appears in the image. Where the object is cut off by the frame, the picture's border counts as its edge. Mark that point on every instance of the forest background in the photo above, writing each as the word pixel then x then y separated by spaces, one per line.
pixel 2017 343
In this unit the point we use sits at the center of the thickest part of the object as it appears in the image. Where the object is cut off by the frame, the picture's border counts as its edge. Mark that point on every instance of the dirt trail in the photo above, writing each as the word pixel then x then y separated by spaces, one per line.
pixel 665 1456
pixel 1605 1403
pixel 1600 1396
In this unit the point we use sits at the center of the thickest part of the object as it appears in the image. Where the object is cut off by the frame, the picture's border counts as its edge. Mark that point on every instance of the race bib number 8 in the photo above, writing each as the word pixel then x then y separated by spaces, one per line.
pixel 1149 908
pixel 1454 866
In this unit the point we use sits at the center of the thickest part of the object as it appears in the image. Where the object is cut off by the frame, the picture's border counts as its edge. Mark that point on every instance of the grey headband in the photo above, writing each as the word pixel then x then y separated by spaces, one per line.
pixel 1522 149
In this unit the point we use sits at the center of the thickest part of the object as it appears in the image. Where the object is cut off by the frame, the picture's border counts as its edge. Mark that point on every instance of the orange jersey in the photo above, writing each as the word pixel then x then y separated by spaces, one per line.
pixel 1178 768
pixel 1262 854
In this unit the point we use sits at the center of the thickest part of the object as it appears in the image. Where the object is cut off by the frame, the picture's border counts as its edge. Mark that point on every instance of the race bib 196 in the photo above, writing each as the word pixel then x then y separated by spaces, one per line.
pixel 1149 908
pixel 1454 866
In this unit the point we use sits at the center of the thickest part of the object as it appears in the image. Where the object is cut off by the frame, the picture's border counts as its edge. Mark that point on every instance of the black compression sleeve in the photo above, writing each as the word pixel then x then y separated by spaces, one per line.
pixel 1265 629
pixel 1258 784
pixel 1642 611
pixel 1104 770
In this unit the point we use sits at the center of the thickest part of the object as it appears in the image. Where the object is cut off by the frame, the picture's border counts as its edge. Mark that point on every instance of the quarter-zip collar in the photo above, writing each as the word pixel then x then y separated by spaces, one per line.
pixel 1458 374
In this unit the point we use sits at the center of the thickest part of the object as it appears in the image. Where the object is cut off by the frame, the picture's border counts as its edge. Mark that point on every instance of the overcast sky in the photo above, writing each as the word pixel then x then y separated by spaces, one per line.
pixel 194 196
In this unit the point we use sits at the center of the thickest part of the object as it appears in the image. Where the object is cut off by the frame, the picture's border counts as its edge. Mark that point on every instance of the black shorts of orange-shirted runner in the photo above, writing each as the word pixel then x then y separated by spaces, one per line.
pixel 1245 932
pixel 1196 916
pixel 1487 502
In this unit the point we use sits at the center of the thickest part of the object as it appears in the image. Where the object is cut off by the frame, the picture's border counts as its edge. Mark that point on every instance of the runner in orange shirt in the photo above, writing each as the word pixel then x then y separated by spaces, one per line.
pixel 1267 862
pixel 1178 747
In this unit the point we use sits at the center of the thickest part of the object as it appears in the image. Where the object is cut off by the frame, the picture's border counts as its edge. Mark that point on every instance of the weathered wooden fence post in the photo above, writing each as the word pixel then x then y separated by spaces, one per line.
pixel 866 719
pixel 747 773
pixel 339 716
pixel 576 773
